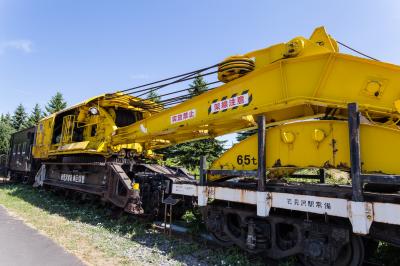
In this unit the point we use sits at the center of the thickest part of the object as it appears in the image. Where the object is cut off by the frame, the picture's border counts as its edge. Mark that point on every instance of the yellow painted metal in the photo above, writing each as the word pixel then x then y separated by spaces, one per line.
pixel 318 135
pixel 82 145
pixel 68 127
pixel 43 138
pixel 329 148
pixel 304 77
pixel 234 67
pixel 87 127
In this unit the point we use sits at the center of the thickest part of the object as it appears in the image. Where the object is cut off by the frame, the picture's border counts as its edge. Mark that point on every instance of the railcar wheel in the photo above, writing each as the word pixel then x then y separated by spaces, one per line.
pixel 351 254
pixel 222 239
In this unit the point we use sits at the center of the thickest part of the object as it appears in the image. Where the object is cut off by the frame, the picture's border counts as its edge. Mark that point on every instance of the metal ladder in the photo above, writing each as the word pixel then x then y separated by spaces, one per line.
pixel 169 202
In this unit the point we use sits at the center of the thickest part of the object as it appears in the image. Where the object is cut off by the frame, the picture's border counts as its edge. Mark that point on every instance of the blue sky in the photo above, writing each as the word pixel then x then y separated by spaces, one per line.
pixel 85 48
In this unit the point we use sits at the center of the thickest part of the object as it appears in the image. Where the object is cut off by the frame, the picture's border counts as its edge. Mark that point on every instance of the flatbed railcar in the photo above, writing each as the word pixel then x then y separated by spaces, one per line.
pixel 323 224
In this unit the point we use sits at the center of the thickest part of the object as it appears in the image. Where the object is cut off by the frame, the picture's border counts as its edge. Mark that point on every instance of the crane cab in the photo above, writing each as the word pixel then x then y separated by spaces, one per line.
pixel 86 128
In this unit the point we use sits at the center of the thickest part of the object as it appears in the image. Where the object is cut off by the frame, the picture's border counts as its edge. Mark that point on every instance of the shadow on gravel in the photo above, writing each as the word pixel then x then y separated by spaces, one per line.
pixel 96 214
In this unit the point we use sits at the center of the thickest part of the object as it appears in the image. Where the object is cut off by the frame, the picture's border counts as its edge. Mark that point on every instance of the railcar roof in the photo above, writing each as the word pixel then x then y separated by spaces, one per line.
pixel 116 99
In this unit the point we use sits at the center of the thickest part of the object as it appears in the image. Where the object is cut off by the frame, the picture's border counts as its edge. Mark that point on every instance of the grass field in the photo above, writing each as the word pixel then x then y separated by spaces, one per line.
pixel 87 231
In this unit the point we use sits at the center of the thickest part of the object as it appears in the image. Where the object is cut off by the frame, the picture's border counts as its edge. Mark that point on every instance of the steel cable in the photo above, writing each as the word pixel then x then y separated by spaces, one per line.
pixel 174 77
pixel 356 51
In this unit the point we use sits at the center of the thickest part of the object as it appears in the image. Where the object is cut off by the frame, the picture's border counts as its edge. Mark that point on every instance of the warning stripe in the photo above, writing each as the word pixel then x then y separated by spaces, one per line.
pixel 233 95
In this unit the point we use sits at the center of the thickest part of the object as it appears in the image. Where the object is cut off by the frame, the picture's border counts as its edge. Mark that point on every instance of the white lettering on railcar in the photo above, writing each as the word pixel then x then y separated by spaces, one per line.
pixel 184 189
pixel 76 178
pixel 307 203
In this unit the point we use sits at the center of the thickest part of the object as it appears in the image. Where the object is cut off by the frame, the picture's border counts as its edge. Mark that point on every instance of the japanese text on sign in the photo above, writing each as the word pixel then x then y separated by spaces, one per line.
pixel 183 116
pixel 309 203
pixel 230 103
pixel 77 178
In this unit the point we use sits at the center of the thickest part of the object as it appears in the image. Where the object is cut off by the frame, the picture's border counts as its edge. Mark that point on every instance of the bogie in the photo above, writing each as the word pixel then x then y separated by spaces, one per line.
pixel 314 242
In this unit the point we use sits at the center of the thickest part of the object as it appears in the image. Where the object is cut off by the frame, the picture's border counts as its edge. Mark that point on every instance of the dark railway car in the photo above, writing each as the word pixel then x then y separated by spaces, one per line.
pixel 21 165
pixel 3 164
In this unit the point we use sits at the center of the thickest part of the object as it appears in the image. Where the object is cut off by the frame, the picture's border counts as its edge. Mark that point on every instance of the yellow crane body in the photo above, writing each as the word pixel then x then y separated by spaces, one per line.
pixel 291 82
pixel 86 128
pixel 281 88
pixel 315 144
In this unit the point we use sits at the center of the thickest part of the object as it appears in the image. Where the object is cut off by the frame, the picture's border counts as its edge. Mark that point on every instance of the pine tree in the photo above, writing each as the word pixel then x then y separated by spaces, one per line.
pixel 35 116
pixel 6 118
pixel 55 104
pixel 153 96
pixel 198 86
pixel 245 134
pixel 19 118
pixel 188 154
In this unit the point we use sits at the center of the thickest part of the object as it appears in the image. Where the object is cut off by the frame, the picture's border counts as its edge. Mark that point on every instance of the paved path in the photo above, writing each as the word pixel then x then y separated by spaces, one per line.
pixel 21 245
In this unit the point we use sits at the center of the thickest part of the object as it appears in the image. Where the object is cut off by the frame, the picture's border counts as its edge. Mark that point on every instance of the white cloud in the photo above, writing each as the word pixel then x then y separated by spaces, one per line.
pixel 20 45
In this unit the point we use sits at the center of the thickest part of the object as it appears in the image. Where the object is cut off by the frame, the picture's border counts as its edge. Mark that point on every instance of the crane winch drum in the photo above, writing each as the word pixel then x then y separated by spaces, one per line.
pixel 234 67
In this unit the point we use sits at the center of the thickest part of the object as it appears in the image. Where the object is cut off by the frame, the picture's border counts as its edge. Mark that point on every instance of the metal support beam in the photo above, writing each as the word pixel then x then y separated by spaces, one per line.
pixel 381 179
pixel 261 171
pixel 355 159
pixel 203 170
pixel 232 172
pixel 321 175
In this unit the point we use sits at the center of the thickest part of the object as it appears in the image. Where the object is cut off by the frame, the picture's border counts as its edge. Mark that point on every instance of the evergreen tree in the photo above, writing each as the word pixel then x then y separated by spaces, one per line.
pixel 6 130
pixel 19 118
pixel 198 86
pixel 188 154
pixel 153 96
pixel 6 118
pixel 35 116
pixel 55 104
pixel 245 134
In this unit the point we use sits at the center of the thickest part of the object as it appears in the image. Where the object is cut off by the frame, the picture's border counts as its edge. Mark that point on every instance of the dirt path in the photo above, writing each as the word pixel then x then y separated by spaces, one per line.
pixel 22 245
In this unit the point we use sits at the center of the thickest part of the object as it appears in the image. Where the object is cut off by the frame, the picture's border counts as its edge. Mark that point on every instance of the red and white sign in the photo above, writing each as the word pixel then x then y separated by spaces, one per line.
pixel 230 103
pixel 183 116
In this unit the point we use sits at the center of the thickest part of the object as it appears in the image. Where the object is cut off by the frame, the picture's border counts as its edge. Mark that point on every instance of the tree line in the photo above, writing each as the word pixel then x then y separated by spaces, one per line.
pixel 20 119
pixel 185 154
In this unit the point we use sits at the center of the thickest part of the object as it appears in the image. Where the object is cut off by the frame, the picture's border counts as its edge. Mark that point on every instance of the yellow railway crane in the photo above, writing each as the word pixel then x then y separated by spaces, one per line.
pixel 302 87
pixel 302 91
pixel 300 80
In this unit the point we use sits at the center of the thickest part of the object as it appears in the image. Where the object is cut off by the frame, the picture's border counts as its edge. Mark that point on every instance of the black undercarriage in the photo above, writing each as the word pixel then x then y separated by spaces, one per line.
pixel 313 239
pixel 136 188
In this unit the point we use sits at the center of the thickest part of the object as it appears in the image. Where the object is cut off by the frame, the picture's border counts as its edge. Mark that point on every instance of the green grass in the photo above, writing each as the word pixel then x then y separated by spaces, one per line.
pixel 87 231
pixel 333 176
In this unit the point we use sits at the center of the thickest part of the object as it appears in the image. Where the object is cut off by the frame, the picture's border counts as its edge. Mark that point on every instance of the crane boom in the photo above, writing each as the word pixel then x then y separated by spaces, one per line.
pixel 304 78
